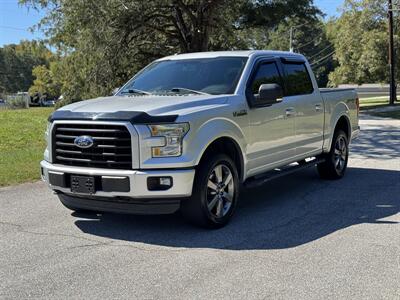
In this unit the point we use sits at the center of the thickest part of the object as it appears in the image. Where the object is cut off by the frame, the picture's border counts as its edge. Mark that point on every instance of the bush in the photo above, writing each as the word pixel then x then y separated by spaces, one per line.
pixel 62 103
pixel 16 102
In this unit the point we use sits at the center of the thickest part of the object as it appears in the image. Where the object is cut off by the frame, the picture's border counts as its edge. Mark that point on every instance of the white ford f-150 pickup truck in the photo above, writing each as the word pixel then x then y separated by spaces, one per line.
pixel 188 130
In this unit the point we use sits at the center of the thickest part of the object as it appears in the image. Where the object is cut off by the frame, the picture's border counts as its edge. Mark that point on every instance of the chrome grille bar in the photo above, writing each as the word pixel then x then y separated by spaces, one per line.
pixel 112 146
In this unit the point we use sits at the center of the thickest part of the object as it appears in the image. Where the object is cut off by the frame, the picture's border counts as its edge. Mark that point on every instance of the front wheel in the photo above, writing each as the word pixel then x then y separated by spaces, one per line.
pixel 215 193
pixel 335 164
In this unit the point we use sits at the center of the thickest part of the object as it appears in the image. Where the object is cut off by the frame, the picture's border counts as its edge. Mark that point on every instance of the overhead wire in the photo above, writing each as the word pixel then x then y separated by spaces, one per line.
pixel 320 52
pixel 311 42
pixel 319 36
pixel 317 63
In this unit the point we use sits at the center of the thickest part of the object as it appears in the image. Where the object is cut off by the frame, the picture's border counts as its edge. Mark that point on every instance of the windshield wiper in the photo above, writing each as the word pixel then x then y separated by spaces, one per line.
pixel 179 89
pixel 135 91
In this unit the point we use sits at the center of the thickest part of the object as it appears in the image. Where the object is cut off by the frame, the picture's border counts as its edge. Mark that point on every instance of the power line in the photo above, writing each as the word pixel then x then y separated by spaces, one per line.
pixel 310 22
pixel 319 36
pixel 323 58
pixel 320 52
pixel 311 42
pixel 292 34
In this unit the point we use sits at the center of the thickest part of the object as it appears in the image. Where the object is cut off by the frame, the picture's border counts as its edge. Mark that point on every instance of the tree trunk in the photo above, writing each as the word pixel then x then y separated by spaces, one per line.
pixel 193 23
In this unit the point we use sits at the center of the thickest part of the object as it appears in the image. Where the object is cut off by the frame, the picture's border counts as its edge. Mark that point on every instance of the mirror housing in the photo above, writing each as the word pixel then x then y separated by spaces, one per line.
pixel 269 94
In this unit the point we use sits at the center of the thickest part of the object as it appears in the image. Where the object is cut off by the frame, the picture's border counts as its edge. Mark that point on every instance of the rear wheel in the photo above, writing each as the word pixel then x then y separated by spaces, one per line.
pixel 335 164
pixel 215 193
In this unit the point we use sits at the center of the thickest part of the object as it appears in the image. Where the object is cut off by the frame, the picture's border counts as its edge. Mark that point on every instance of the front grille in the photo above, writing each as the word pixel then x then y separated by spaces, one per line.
pixel 111 149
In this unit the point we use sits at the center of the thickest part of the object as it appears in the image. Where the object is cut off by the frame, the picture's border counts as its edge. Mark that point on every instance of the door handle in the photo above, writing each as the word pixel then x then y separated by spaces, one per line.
pixel 290 112
pixel 318 107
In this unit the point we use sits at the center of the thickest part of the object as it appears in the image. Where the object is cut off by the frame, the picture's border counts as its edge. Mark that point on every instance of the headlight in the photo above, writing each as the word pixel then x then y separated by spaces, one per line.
pixel 173 134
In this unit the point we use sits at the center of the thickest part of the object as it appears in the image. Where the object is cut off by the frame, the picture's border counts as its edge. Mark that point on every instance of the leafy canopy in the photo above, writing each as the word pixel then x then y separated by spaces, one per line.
pixel 360 37
pixel 104 42
pixel 17 62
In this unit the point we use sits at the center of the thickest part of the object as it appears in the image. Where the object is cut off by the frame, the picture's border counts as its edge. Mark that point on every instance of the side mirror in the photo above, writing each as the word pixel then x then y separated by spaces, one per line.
pixel 269 94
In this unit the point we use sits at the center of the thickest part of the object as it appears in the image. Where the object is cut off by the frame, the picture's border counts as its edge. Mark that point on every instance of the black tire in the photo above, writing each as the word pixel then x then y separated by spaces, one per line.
pixel 221 199
pixel 335 164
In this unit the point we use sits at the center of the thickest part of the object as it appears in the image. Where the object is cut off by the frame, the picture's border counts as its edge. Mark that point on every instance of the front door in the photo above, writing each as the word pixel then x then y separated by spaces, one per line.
pixel 272 128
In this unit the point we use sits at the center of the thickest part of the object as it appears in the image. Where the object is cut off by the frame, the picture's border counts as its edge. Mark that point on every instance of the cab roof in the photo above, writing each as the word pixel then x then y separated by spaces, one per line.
pixel 242 53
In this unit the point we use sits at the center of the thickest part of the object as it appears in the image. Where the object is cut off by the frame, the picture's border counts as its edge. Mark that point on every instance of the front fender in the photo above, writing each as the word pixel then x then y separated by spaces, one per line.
pixel 201 134
pixel 212 130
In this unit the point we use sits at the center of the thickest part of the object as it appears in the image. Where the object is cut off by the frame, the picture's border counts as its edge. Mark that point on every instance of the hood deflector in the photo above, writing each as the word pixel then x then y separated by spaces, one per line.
pixel 135 117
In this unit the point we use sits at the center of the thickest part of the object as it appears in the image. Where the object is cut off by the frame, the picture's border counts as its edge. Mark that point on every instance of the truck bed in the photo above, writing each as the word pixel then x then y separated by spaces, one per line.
pixel 336 100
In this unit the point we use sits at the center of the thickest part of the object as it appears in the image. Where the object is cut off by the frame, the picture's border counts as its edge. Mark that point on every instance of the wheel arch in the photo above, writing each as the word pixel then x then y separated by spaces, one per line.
pixel 229 146
pixel 343 123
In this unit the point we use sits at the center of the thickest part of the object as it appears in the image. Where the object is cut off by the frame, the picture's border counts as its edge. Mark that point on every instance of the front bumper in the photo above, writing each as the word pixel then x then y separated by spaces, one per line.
pixel 138 188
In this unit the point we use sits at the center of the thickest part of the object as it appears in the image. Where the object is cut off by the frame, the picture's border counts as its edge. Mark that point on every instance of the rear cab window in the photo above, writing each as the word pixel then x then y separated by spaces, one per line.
pixel 297 79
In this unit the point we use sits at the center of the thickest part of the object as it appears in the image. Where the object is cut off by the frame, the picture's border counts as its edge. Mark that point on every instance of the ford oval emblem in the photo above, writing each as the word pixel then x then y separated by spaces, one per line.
pixel 84 141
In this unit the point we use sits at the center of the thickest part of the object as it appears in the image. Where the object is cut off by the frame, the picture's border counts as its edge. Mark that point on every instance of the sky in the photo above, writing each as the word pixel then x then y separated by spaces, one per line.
pixel 329 7
pixel 15 20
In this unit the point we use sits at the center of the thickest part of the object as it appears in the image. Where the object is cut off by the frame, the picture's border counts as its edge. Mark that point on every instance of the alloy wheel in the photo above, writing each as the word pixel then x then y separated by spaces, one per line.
pixel 340 154
pixel 220 191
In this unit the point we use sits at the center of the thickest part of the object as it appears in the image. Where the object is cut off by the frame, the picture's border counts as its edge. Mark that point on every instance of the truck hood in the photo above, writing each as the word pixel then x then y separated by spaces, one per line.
pixel 152 105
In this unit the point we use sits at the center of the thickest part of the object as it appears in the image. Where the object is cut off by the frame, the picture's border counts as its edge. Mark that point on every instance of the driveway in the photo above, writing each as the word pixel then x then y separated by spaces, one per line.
pixel 295 238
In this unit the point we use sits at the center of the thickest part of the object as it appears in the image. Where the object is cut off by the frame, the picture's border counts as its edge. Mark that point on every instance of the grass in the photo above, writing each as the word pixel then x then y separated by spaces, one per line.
pixel 370 103
pixel 380 102
pixel 22 144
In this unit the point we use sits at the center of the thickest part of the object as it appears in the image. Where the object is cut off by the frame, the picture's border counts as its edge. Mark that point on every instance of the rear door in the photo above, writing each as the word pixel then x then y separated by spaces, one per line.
pixel 272 131
pixel 308 105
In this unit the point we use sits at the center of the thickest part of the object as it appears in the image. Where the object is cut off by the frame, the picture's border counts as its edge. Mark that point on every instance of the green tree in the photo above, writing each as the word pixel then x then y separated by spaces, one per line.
pixel 17 62
pixel 104 42
pixel 309 38
pixel 47 80
pixel 360 37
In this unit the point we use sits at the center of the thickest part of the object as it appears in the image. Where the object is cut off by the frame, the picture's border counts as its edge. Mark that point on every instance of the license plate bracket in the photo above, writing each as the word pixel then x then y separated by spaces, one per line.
pixel 83 184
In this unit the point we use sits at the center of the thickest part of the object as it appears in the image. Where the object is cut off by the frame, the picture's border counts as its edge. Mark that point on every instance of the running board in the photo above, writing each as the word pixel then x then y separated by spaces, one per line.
pixel 274 174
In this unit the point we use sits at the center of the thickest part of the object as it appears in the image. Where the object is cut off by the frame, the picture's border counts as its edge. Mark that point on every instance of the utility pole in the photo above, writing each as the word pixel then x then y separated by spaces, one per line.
pixel 291 39
pixel 393 96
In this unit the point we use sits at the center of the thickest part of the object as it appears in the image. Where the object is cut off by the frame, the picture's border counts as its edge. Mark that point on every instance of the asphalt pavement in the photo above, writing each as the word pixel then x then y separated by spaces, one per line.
pixel 298 237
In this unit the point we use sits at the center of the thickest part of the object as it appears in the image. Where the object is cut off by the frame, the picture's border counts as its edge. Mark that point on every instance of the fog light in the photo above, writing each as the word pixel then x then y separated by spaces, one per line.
pixel 166 181
pixel 159 183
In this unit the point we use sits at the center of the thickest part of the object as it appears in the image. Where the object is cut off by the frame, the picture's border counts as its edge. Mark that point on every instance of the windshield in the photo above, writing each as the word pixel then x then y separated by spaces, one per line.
pixel 214 76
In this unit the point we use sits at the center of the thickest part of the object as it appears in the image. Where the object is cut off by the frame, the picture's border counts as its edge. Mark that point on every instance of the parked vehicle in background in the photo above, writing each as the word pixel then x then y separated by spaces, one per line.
pixel 41 100
pixel 188 130
pixel 48 103
pixel 35 100
pixel 25 100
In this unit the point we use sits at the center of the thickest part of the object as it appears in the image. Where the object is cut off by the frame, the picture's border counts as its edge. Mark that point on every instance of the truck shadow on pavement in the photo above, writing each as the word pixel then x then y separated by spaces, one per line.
pixel 285 213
